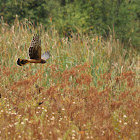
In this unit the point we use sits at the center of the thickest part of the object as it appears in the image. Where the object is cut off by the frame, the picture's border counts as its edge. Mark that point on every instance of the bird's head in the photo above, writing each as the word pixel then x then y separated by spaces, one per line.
pixel 43 61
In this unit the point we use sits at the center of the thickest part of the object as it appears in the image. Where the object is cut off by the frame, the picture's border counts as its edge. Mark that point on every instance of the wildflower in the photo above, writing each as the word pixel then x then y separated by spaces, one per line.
pixel 19 136
pixel 86 133
pixel 73 131
pixel 52 118
pixel 50 132
pixel 12 113
pixel 103 132
pixel 124 116
pixel 30 122
pixel 15 123
pixel 125 123
pixel 10 125
pixel 73 135
pixel 65 117
pixel 60 119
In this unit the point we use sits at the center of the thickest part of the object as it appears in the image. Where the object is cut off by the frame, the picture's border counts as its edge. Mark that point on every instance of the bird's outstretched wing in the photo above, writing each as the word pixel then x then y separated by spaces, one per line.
pixel 35 48
pixel 45 55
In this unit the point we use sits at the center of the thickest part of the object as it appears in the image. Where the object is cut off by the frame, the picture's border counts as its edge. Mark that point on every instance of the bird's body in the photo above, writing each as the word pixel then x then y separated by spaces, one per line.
pixel 34 53
pixel 22 62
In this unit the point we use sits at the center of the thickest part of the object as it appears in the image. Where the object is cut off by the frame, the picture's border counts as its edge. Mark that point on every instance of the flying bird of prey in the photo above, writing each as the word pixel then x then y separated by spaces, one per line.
pixel 35 53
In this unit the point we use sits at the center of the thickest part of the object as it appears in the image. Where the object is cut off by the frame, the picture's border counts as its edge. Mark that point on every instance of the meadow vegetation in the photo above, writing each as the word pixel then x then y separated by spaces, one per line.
pixel 88 89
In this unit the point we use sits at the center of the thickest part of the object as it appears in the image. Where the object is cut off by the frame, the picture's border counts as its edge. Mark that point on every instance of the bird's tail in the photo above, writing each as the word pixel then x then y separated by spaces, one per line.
pixel 22 62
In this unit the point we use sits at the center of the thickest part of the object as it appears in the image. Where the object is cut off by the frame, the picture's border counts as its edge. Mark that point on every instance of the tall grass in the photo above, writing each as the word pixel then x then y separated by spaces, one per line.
pixel 88 89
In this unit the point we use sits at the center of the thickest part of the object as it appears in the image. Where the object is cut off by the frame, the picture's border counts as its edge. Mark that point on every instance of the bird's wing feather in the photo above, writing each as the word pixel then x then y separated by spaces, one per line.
pixel 35 48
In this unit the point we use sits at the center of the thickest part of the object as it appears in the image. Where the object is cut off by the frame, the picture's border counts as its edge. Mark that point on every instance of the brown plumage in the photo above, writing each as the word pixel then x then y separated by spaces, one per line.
pixel 34 53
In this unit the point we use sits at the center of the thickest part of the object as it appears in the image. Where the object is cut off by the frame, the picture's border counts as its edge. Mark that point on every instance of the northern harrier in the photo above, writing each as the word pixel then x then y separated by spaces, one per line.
pixel 35 53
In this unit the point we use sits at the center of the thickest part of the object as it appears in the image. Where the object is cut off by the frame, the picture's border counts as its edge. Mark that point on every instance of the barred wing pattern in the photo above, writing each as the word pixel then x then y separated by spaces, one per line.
pixel 35 53
pixel 35 48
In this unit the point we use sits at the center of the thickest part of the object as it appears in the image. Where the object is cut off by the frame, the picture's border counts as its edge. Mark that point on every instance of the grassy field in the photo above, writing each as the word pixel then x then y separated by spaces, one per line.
pixel 88 89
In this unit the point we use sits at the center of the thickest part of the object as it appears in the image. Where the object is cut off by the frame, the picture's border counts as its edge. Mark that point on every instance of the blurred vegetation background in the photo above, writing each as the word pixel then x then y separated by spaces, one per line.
pixel 101 17
pixel 89 88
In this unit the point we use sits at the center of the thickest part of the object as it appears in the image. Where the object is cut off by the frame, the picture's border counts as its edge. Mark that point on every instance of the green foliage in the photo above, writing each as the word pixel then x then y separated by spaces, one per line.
pixel 37 11
pixel 101 17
